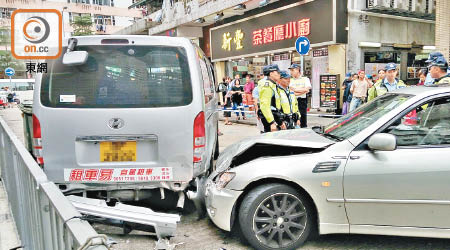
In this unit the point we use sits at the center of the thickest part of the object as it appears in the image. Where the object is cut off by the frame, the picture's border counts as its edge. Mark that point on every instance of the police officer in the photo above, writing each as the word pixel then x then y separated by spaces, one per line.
pixel 288 101
pixel 389 83
pixel 301 86
pixel 437 67
pixel 269 99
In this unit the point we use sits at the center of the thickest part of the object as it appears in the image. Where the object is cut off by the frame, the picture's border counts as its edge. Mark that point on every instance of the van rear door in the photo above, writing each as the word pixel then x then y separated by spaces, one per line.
pixel 125 115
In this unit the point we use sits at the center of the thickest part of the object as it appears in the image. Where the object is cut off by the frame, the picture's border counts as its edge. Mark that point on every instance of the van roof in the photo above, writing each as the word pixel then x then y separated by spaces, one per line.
pixel 133 40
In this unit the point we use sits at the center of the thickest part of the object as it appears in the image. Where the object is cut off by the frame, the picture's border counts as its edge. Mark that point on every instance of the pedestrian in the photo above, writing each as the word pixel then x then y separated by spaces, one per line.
pixel 228 104
pixel 389 83
pixel 381 75
pixel 9 97
pixel 347 97
pixel 269 102
pixel 248 89
pixel 422 77
pixel 236 97
pixel 222 90
pixel 438 66
pixel 288 102
pixel 236 77
pixel 359 90
pixel 369 79
pixel 301 86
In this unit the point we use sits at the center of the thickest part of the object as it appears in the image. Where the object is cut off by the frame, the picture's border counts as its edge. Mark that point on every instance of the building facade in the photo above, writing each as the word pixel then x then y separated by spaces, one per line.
pixel 244 44
pixel 396 31
pixel 241 36
pixel 443 27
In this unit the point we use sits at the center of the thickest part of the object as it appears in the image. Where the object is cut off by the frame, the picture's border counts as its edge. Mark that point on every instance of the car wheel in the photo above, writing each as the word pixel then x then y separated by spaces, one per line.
pixel 275 216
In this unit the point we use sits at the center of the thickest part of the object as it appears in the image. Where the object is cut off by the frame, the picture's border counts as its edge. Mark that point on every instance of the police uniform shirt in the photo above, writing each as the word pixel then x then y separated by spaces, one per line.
pixel 300 82
pixel 391 87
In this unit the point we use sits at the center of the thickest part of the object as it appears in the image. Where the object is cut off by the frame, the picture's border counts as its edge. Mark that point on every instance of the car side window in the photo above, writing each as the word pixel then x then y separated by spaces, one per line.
pixel 427 124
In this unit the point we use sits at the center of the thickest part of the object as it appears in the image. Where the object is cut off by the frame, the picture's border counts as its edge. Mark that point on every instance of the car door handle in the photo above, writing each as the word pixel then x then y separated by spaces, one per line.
pixel 354 157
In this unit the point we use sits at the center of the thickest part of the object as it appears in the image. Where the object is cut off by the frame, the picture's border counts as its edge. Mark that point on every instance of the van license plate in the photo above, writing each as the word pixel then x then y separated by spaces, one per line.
pixel 117 151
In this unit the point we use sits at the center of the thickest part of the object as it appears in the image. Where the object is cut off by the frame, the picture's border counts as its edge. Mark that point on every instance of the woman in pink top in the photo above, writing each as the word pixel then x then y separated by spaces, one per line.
pixel 248 89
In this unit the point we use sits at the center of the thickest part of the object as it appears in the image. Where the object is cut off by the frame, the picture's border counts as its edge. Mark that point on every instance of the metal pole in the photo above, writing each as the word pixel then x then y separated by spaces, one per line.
pixel 301 65
pixel 10 84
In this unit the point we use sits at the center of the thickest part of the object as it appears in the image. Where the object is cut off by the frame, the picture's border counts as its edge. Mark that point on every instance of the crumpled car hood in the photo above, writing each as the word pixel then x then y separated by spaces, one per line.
pixel 302 138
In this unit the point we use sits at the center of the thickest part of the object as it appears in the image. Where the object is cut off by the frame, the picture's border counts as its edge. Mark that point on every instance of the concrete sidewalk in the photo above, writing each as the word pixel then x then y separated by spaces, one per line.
pixel 9 238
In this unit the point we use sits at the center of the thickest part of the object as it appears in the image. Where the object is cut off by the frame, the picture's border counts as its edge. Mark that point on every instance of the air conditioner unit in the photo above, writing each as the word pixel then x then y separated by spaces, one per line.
pixel 378 3
pixel 371 3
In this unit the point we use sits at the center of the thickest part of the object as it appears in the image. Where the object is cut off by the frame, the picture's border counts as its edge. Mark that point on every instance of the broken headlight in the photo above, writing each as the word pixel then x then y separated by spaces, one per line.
pixel 224 179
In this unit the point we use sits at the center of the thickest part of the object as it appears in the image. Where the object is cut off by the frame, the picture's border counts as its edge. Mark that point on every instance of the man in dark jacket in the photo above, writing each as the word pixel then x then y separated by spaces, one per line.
pixel 347 98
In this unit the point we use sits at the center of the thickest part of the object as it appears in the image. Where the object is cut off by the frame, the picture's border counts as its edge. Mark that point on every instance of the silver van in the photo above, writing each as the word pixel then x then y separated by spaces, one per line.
pixel 126 117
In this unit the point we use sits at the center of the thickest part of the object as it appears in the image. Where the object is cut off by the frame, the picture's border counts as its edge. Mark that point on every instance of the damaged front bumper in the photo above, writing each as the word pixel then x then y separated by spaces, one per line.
pixel 220 204
pixel 164 224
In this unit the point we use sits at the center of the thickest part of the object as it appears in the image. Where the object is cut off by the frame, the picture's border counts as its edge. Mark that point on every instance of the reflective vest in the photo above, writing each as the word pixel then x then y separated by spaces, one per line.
pixel 288 101
pixel 269 99
pixel 443 80
pixel 379 89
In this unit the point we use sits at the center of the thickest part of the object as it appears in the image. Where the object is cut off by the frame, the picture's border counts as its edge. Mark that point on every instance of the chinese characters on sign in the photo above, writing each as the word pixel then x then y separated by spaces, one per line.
pixel 118 174
pixel 282 32
pixel 237 40
pixel 320 52
pixel 36 67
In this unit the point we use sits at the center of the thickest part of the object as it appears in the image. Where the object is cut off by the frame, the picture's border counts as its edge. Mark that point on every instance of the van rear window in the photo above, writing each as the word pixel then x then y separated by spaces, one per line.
pixel 120 77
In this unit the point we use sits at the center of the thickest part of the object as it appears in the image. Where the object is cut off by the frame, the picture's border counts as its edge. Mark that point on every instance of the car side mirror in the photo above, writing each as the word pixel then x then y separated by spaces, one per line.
pixel 383 142
pixel 74 58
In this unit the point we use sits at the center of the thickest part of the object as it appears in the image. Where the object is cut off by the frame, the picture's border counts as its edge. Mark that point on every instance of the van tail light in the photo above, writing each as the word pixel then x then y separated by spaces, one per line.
pixel 37 140
pixel 199 139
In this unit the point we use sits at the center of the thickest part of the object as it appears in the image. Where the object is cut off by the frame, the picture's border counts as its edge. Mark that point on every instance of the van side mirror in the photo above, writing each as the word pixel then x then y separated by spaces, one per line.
pixel 383 142
pixel 74 58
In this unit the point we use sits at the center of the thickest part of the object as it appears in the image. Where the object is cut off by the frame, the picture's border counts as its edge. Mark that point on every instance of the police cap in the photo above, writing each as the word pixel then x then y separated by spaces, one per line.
pixel 390 66
pixel 285 74
pixel 269 68
pixel 295 66
pixel 439 61
pixel 433 55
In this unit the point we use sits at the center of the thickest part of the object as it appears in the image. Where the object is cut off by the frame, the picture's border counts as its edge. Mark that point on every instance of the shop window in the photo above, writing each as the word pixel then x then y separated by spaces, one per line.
pixel 416 62
pixel 382 57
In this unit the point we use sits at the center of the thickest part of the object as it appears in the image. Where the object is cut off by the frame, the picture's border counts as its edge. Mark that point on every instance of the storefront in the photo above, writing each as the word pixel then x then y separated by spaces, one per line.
pixel 377 40
pixel 409 62
pixel 246 45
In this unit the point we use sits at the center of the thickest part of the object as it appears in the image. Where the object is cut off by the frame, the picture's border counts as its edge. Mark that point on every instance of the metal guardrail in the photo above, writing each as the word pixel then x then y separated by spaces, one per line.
pixel 45 218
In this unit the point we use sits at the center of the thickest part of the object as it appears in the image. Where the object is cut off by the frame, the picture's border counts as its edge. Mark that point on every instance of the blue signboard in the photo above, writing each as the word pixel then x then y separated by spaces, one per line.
pixel 9 72
pixel 302 45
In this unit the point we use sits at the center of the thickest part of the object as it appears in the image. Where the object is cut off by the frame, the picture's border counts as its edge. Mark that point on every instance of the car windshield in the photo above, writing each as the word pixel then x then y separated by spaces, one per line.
pixel 120 77
pixel 359 119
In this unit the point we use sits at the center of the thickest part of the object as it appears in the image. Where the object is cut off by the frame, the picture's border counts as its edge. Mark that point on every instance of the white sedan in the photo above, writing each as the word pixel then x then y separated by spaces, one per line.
pixel 382 169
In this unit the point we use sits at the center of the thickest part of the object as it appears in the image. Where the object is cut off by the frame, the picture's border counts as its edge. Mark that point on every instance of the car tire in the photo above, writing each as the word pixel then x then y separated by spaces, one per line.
pixel 262 224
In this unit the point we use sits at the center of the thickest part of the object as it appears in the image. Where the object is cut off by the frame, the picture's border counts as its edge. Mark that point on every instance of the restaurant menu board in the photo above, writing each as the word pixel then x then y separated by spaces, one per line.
pixel 329 91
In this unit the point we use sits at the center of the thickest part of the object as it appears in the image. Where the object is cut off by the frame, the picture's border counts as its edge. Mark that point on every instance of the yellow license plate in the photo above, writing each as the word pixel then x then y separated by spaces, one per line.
pixel 117 151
